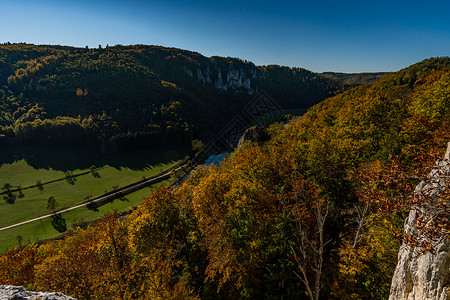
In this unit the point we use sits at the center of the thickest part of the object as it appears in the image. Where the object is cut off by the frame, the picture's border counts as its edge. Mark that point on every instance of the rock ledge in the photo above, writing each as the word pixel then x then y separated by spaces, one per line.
pixel 9 292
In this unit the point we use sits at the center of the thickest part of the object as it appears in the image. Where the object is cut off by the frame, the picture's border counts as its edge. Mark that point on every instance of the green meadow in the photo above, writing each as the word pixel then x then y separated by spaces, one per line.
pixel 24 166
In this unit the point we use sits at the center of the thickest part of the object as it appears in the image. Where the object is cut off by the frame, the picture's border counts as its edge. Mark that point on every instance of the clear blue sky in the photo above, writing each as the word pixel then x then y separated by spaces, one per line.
pixel 319 35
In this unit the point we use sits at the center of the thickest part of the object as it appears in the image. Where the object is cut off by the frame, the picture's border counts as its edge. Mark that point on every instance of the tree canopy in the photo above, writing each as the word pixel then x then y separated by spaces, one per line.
pixel 127 97
pixel 281 219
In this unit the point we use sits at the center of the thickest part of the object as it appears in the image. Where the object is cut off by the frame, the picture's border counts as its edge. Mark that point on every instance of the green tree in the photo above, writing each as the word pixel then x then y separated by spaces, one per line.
pixel 51 203
pixel 39 185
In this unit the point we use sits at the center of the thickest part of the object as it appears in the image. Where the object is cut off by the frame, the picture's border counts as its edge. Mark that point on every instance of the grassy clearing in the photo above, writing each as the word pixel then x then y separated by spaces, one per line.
pixel 115 171
pixel 41 230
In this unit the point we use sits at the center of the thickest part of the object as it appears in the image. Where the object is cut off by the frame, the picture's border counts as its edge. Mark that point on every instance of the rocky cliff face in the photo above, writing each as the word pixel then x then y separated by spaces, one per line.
pixel 254 134
pixel 424 276
pixel 229 77
pixel 8 292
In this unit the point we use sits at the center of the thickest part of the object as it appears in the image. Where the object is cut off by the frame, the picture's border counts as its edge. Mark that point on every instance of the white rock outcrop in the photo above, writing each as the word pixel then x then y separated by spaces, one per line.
pixel 424 276
pixel 9 292
pixel 231 78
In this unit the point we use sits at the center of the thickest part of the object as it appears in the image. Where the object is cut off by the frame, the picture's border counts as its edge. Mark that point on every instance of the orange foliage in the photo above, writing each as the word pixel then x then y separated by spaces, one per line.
pixel 17 265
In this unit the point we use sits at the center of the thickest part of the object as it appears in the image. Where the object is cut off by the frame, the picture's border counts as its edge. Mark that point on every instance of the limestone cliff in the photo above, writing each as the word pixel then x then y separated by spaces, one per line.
pixel 424 276
pixel 228 77
pixel 8 292
pixel 254 134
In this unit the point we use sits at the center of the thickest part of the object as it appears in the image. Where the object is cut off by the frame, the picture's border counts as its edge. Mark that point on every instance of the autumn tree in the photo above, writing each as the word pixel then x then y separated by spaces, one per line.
pixel 310 212
pixel 17 265
pixel 158 241
pixel 367 254
pixel 242 212
pixel 392 189
pixel 88 264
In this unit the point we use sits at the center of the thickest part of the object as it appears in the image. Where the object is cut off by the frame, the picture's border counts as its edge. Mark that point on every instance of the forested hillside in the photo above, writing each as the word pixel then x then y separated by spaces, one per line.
pixel 127 97
pixel 355 78
pixel 290 219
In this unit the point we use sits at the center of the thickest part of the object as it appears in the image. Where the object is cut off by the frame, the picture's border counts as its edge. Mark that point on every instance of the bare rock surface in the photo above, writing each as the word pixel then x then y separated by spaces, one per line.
pixel 9 292
pixel 424 276
pixel 254 134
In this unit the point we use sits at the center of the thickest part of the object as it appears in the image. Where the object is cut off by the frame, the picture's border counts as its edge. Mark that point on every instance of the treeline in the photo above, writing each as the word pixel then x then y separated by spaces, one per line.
pixel 96 130
pixel 288 219
pixel 147 95
pixel 355 79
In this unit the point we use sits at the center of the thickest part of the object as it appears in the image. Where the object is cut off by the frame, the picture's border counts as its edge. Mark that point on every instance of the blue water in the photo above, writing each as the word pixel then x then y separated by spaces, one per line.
pixel 216 159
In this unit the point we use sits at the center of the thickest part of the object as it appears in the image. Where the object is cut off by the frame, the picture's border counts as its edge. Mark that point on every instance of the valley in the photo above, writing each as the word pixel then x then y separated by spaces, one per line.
pixel 112 173
pixel 314 209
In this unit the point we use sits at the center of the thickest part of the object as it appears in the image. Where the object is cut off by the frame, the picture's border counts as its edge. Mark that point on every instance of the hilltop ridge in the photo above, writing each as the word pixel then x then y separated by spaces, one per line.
pixel 122 97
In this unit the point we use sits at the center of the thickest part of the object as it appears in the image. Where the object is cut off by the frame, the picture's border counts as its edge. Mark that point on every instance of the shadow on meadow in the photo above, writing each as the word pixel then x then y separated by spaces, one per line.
pixel 65 159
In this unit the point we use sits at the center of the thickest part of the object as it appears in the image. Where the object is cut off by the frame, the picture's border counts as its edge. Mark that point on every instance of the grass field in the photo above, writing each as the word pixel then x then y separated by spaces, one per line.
pixel 114 171
pixel 41 230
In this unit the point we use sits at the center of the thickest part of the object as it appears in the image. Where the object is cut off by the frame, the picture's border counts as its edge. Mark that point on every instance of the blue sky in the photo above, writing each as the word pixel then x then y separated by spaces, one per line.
pixel 343 36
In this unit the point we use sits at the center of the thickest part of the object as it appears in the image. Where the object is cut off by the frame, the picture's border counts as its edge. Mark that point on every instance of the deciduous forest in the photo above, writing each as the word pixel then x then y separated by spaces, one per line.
pixel 315 212
pixel 124 98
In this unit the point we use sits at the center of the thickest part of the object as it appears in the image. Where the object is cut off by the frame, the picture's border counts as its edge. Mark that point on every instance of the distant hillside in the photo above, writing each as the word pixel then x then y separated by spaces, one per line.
pixel 355 78
pixel 126 97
